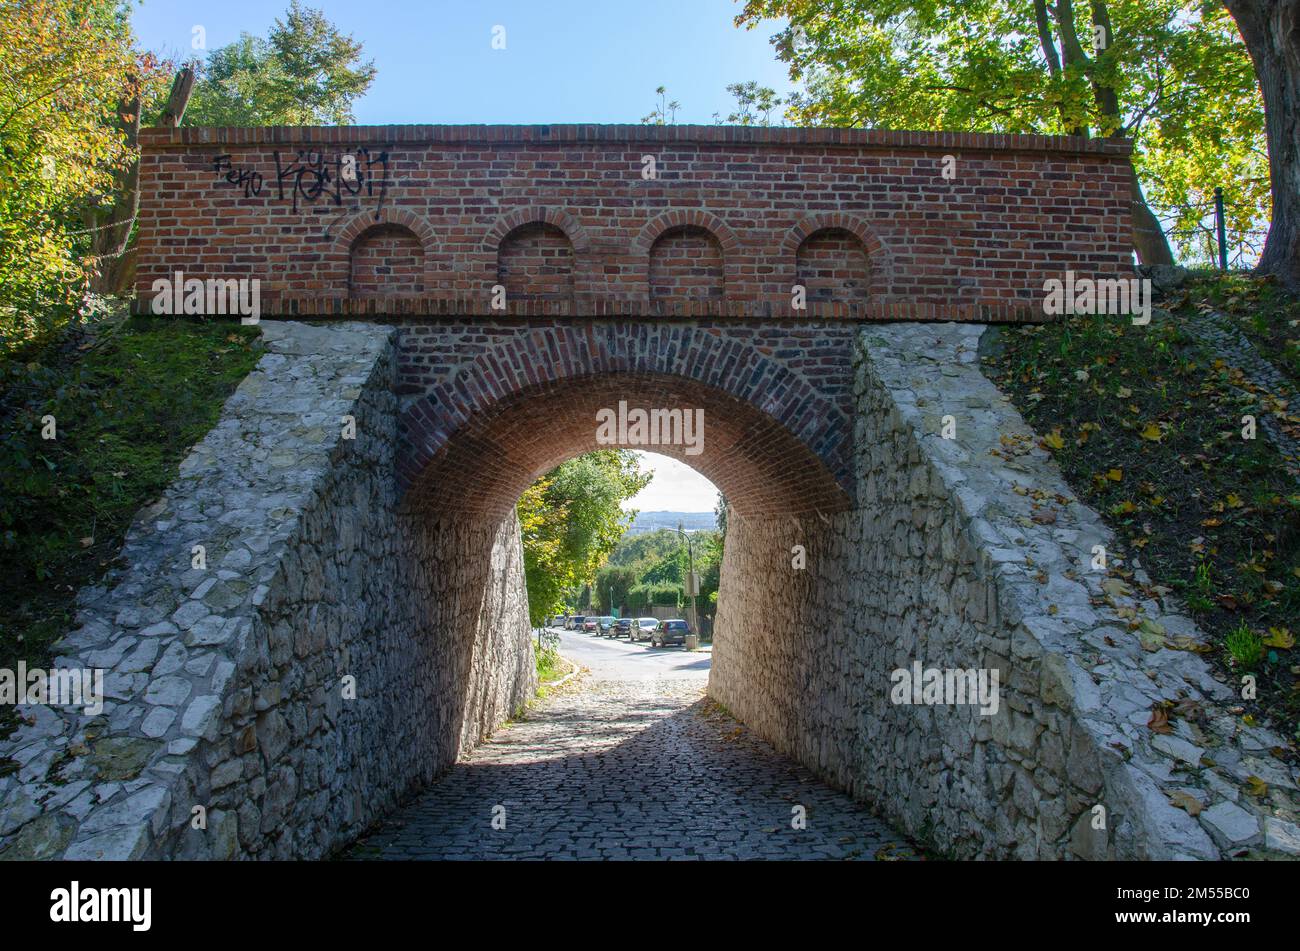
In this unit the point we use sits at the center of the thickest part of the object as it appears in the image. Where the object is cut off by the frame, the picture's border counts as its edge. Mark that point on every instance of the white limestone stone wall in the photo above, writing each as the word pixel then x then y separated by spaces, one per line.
pixel 972 552
pixel 228 686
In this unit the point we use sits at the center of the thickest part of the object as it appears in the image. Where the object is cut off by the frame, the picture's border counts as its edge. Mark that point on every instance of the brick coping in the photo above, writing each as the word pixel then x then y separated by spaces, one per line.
pixel 396 306
pixel 574 134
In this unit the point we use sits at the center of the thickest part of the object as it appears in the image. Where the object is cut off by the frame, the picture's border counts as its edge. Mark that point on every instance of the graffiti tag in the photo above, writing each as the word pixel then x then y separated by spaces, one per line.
pixel 311 175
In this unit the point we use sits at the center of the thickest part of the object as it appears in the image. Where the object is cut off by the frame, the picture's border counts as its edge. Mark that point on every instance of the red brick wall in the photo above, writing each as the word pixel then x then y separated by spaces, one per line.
pixel 833 265
pixel 535 263
pixel 686 264
pixel 284 206
pixel 386 259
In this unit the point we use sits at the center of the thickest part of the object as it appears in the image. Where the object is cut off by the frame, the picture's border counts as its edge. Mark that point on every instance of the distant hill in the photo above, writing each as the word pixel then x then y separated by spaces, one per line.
pixel 690 521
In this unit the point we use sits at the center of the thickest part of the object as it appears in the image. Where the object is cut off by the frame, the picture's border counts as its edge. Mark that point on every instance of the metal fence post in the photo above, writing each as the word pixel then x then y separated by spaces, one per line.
pixel 1221 228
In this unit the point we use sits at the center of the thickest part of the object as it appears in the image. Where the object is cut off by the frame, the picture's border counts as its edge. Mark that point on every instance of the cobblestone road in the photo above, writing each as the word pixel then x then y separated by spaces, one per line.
pixel 629 770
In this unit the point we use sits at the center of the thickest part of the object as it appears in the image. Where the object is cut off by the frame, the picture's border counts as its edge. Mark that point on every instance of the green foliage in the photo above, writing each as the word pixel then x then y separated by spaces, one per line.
pixel 1174 75
pixel 664 112
pixel 643 596
pixel 754 104
pixel 65 68
pixel 613 582
pixel 645 547
pixel 126 410
pixel 305 73
pixel 657 562
pixel 571 519
pixel 670 569
pixel 550 667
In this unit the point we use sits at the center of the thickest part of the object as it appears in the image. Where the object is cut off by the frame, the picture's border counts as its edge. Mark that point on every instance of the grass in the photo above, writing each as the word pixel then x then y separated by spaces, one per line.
pixel 127 406
pixel 1244 646
pixel 550 666
pixel 1146 427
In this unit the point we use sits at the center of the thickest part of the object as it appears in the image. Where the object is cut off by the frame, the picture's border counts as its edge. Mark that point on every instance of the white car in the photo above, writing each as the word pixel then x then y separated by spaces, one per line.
pixel 643 628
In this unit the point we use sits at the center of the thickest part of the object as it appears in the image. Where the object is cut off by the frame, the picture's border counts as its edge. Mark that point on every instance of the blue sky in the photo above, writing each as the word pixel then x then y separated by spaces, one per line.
pixel 564 61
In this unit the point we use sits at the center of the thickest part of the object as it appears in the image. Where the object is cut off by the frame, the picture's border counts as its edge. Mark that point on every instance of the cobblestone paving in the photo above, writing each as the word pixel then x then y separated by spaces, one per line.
pixel 1217 331
pixel 614 770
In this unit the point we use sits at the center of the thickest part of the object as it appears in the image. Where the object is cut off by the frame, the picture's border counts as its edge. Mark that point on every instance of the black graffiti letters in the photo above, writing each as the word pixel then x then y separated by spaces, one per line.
pixel 247 179
pixel 310 175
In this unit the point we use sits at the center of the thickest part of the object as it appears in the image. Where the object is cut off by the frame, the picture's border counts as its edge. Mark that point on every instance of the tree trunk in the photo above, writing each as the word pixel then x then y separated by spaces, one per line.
pixel 1149 239
pixel 1271 29
pixel 112 225
pixel 111 241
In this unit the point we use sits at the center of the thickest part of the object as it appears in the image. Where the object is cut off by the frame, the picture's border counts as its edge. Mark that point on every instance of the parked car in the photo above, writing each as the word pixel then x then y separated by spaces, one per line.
pixel 672 631
pixel 575 622
pixel 591 625
pixel 644 629
pixel 606 625
pixel 623 627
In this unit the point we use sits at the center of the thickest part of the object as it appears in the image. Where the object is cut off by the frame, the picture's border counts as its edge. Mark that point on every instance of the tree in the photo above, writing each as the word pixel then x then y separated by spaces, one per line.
pixel 709 564
pixel 304 73
pixel 67 66
pixel 1165 73
pixel 1271 29
pixel 571 519
pixel 110 221
pixel 754 104
pixel 613 582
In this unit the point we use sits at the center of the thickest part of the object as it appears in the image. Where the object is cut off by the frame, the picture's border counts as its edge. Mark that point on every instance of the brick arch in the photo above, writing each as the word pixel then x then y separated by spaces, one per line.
pixel 688 219
pixel 520 217
pixel 879 255
pixel 386 260
pixel 535 262
pixel 480 434
pixel 357 225
pixel 685 218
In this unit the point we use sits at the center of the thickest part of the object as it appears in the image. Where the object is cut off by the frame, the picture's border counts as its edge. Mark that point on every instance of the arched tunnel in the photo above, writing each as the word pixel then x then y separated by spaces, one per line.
pixel 470 454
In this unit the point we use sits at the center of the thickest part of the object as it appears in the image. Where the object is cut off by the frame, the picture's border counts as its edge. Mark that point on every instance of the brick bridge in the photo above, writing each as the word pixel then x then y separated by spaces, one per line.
pixel 542 272
pixel 473 296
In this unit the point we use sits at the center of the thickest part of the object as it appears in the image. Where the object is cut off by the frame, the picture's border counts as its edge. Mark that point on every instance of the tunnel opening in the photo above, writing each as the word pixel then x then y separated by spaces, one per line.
pixel 463 501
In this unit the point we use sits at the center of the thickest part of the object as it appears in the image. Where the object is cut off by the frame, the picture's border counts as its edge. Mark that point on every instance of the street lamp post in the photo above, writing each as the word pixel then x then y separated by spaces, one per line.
pixel 691 583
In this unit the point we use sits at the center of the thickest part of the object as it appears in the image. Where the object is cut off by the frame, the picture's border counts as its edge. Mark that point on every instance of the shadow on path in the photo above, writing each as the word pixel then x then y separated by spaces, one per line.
pixel 612 770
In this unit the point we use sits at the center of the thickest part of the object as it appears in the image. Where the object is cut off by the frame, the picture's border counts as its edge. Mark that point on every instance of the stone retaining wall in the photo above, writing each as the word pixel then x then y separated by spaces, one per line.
pixel 338 649
pixel 971 552
pixel 230 685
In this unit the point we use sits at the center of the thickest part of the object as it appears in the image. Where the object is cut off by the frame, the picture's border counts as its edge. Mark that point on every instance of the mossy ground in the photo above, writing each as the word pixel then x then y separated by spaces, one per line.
pixel 127 404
